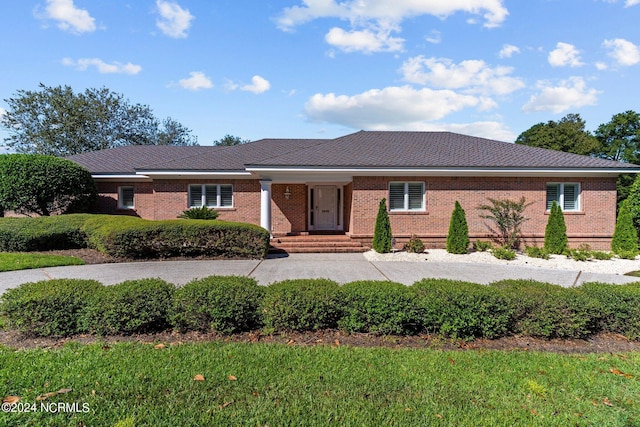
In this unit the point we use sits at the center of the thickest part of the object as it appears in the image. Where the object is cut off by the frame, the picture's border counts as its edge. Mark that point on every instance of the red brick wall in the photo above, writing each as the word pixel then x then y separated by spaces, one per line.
pixel 594 224
pixel 290 215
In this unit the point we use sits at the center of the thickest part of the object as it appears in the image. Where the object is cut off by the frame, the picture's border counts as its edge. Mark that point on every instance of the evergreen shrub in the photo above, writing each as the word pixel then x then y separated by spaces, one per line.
pixel 382 236
pixel 458 237
pixel 555 234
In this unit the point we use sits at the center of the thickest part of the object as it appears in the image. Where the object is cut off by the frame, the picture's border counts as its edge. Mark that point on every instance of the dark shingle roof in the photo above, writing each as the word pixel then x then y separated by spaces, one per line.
pixel 364 149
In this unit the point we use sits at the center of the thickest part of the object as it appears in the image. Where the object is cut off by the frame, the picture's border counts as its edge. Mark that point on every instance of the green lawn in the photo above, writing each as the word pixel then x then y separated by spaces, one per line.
pixel 279 385
pixel 10 261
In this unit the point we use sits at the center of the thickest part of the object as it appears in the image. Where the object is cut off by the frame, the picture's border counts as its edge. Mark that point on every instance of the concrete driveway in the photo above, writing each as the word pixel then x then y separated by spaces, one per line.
pixel 339 267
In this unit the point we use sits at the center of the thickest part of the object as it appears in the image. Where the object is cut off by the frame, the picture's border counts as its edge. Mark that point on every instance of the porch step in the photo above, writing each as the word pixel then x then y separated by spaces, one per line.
pixel 316 244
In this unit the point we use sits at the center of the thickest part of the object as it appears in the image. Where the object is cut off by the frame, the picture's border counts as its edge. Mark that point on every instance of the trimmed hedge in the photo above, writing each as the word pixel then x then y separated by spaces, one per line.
pixel 618 307
pixel 302 305
pixel 226 304
pixel 131 307
pixel 43 233
pixel 379 307
pixel 462 309
pixel 50 307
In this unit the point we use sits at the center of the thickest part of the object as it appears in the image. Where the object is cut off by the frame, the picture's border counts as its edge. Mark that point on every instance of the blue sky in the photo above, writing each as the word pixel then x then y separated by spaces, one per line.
pixel 325 68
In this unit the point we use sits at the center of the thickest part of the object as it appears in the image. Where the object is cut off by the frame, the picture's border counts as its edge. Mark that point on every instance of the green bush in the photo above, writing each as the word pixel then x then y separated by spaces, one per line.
pixel 458 237
pixel 44 185
pixel 536 252
pixel 131 307
pixel 548 311
pixel 42 233
pixel 379 307
pixel 132 237
pixel 226 304
pixel 625 235
pixel 302 305
pixel 619 307
pixel 482 246
pixel 601 255
pixel 202 212
pixel 414 245
pixel 382 236
pixel 555 234
pixel 461 309
pixel 50 307
pixel 504 253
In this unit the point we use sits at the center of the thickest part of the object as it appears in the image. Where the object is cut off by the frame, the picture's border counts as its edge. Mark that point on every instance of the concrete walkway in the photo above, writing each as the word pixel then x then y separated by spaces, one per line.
pixel 339 267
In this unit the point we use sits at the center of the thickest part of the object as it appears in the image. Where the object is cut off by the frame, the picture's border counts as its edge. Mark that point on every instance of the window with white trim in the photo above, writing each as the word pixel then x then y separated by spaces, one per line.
pixel 406 196
pixel 211 195
pixel 566 194
pixel 125 197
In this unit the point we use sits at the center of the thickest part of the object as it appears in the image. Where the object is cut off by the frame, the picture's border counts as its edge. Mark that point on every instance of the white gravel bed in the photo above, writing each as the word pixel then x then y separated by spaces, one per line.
pixel 559 262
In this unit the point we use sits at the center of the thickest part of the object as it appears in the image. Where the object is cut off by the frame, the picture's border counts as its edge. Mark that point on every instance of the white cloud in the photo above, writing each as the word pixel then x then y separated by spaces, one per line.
pixel 473 76
pixel 258 85
pixel 196 81
pixel 571 93
pixel 623 51
pixel 174 21
pixel 366 41
pixel 565 54
pixel 600 66
pixel 630 3
pixel 103 68
pixel 508 50
pixel 395 106
pixel 359 11
pixel 434 37
pixel 69 17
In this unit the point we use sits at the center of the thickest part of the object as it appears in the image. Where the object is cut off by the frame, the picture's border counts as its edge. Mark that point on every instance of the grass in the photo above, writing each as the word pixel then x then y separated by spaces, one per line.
pixel 279 385
pixel 11 261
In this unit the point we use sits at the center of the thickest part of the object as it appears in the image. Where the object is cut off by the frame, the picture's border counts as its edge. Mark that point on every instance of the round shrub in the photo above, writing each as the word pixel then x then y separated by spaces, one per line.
pixel 549 311
pixel 461 309
pixel 619 307
pixel 302 305
pixel 131 307
pixel 225 304
pixel 379 307
pixel 49 307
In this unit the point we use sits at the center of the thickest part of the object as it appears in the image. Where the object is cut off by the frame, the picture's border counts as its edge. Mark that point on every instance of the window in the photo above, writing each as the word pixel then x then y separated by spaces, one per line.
pixel 567 195
pixel 125 198
pixel 406 196
pixel 211 195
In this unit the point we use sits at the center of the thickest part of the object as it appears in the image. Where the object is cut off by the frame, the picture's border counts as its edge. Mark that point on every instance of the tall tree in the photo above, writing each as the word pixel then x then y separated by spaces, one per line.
pixel 568 135
pixel 620 138
pixel 229 140
pixel 59 122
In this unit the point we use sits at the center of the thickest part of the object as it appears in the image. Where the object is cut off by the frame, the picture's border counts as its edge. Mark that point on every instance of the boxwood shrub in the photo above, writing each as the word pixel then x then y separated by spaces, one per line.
pixel 302 305
pixel 49 307
pixel 226 304
pixel 619 307
pixel 379 307
pixel 42 233
pixel 131 307
pixel 549 311
pixel 462 309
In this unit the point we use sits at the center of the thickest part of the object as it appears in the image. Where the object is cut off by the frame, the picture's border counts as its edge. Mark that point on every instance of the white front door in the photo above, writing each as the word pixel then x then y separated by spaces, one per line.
pixel 325 209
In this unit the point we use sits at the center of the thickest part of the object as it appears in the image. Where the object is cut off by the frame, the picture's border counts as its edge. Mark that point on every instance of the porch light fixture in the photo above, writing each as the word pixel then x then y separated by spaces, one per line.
pixel 287 193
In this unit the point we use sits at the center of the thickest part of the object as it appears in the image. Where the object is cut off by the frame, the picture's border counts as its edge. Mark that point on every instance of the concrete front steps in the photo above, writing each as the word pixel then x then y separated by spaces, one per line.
pixel 311 243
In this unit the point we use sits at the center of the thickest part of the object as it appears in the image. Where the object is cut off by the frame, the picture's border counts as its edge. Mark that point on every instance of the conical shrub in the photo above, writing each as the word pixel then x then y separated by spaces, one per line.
pixel 625 236
pixel 382 233
pixel 555 234
pixel 458 237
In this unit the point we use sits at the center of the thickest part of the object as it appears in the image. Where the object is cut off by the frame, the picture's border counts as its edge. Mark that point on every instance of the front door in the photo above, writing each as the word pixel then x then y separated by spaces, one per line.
pixel 325 209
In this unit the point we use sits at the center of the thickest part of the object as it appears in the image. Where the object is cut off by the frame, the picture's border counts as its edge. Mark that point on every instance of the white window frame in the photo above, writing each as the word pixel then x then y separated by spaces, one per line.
pixel 560 200
pixel 406 203
pixel 218 196
pixel 121 201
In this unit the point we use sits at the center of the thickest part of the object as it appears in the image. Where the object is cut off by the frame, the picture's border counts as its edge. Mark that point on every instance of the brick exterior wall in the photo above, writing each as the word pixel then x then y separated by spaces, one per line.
pixel 594 224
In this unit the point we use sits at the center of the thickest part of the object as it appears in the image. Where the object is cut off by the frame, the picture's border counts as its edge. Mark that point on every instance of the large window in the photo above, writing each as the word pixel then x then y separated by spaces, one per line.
pixel 125 198
pixel 406 196
pixel 211 195
pixel 567 195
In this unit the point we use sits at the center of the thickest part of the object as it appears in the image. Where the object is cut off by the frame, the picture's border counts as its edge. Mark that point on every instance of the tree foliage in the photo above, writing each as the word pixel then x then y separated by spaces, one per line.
pixel 44 185
pixel 555 234
pixel 625 236
pixel 633 202
pixel 458 237
pixel 507 217
pixel 568 135
pixel 382 233
pixel 230 140
pixel 56 121
pixel 620 138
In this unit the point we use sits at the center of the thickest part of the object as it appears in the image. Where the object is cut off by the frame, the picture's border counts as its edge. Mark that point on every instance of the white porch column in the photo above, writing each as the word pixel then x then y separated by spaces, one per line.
pixel 265 204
